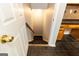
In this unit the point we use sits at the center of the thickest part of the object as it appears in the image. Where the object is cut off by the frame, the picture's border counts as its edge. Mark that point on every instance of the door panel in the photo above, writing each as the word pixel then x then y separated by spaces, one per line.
pixel 14 26
pixel 7 13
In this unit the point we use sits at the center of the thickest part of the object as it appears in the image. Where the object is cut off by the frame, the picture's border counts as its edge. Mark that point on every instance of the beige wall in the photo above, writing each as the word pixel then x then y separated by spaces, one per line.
pixel 37 21
pixel 40 23
pixel 48 16
pixel 27 13
pixel 34 19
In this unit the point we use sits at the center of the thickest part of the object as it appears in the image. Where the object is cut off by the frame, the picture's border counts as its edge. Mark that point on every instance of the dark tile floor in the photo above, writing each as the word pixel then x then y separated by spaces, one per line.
pixel 66 47
pixel 38 40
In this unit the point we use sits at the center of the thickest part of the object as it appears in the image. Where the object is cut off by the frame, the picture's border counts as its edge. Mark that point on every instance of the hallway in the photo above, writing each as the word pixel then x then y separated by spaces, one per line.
pixel 66 47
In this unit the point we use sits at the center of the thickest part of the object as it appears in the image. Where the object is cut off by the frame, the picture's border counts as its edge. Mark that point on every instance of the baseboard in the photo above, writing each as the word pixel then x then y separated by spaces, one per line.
pixel 30 40
pixel 52 45
pixel 37 35
pixel 38 44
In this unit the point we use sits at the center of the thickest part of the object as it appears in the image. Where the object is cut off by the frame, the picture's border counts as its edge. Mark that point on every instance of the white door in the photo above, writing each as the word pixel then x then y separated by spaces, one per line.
pixel 12 22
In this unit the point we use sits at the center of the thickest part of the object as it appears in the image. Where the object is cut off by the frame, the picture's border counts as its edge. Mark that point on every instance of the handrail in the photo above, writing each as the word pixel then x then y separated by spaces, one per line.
pixel 29 27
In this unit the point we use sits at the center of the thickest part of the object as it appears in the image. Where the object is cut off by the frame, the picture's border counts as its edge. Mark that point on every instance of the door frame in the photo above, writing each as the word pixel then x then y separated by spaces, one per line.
pixel 58 16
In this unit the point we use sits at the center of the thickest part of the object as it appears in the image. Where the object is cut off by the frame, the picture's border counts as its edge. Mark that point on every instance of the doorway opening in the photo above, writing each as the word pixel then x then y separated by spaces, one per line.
pixel 38 18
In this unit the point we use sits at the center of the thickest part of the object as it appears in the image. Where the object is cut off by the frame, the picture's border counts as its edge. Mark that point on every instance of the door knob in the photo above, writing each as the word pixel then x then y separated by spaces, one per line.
pixel 6 38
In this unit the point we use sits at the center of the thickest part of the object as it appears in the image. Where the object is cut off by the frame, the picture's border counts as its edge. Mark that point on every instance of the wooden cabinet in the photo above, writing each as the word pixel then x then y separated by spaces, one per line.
pixel 75 34
pixel 72 11
pixel 72 26
pixel 60 34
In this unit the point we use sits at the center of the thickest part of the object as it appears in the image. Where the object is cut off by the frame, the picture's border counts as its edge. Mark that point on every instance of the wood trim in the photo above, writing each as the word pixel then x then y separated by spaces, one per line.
pixel 38 45
pixel 73 26
pixel 29 27
pixel 37 34
pixel 70 19
pixel 71 4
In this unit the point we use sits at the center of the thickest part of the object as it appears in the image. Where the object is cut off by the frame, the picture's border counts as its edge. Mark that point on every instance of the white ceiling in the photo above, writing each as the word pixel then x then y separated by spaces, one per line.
pixel 39 5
